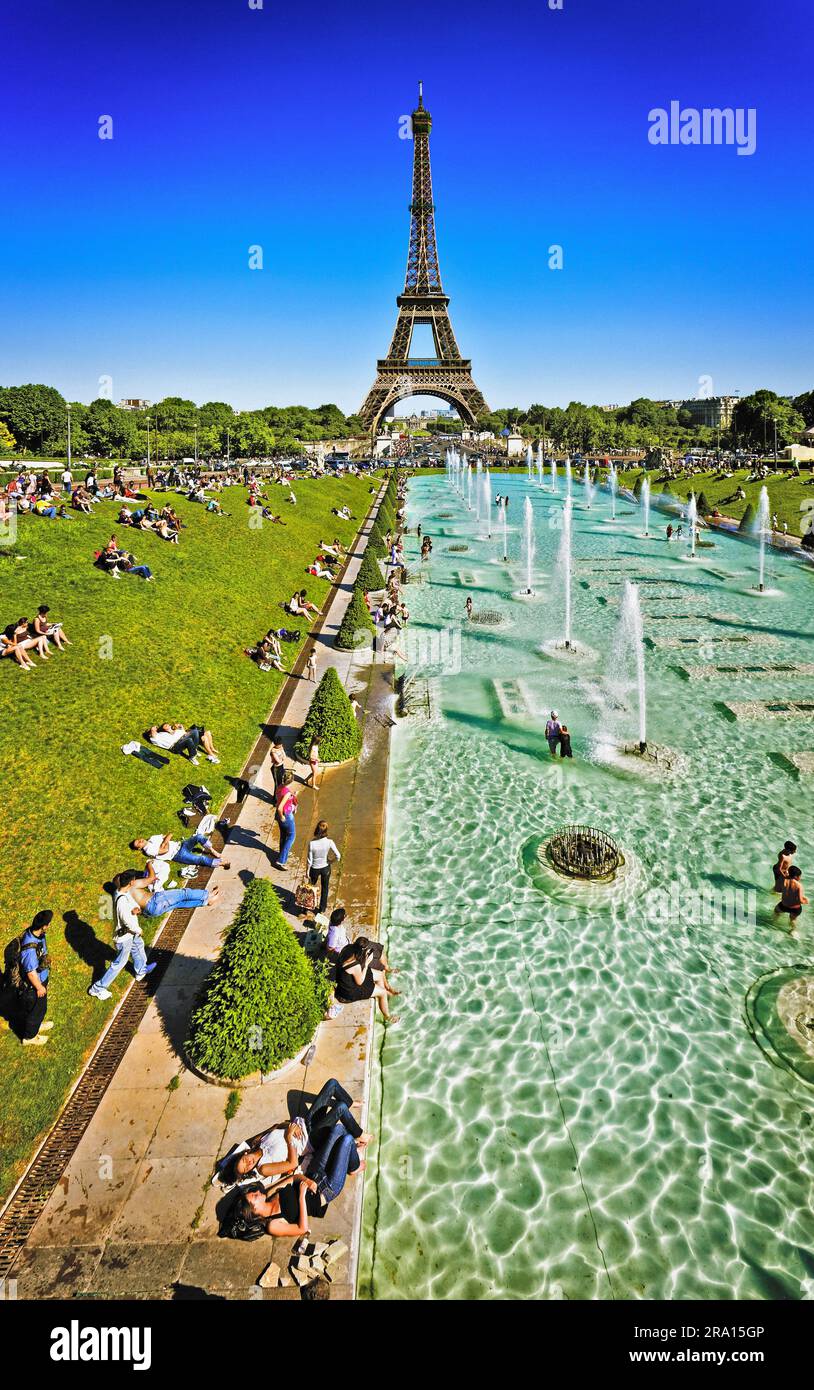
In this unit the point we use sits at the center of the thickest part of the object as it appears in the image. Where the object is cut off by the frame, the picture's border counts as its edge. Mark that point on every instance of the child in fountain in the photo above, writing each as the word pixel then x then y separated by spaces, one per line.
pixel 793 899
pixel 469 606
pixel 784 862
pixel 565 742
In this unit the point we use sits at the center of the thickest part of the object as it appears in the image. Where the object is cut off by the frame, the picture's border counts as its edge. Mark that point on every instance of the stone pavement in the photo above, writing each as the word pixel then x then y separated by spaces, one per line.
pixel 134 1214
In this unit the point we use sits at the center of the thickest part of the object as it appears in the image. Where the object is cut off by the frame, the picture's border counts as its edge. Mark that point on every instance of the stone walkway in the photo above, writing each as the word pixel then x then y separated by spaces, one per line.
pixel 135 1215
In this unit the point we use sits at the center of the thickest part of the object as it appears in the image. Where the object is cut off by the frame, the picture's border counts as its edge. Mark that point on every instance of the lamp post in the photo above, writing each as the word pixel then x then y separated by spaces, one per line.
pixel 196 446
pixel 69 435
pixel 228 447
pixel 148 441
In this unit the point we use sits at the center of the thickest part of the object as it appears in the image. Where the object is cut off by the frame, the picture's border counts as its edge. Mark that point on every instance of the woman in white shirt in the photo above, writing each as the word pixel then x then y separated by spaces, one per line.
pixel 320 850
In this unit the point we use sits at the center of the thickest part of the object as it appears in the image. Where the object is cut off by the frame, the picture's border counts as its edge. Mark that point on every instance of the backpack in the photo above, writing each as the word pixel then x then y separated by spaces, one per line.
pixel 235 1225
pixel 15 978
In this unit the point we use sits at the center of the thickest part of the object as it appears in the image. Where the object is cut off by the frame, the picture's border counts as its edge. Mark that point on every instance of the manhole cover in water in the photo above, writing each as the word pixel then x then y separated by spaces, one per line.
pixel 488 617
pixel 457 549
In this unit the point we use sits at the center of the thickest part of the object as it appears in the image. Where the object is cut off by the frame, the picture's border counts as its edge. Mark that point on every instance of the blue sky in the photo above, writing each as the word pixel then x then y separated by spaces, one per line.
pixel 276 127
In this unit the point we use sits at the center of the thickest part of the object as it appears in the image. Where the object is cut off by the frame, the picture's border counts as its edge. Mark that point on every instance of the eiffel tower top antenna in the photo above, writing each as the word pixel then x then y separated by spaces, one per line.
pixel 421 93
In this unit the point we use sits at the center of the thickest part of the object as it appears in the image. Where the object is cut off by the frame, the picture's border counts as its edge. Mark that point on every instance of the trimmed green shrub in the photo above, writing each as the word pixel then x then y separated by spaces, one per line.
pixel 261 1002
pixel 666 489
pixel 331 723
pixel 702 504
pixel 356 629
pixel 637 486
pixel 370 572
pixel 748 521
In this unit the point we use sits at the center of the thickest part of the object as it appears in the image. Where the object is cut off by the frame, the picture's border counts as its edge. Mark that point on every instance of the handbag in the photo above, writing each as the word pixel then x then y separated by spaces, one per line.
pixel 305 896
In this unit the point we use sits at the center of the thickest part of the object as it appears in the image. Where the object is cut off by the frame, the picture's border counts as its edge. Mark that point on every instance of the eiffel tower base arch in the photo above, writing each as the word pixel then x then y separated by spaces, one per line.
pixel 453 384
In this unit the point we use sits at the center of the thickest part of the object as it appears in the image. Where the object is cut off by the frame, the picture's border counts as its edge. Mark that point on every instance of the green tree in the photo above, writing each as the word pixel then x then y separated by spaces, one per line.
pixel 755 417
pixel 331 723
pixel 34 414
pixel 263 999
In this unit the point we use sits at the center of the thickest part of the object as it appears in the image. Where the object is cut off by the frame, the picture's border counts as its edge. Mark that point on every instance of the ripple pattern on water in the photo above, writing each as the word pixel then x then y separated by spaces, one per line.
pixel 573 1105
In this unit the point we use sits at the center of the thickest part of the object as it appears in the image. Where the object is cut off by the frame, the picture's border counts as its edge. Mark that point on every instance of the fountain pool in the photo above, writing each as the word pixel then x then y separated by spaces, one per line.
pixel 574 1104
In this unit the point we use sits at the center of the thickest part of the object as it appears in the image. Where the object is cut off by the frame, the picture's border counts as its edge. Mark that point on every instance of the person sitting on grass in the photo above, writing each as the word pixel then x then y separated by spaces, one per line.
pixel 120 562
pixel 195 849
pixel 299 606
pixel 81 499
pixel 43 627
pixel 170 515
pixel 9 646
pixel 175 738
pixel 20 633
pixel 268 515
pixel 268 653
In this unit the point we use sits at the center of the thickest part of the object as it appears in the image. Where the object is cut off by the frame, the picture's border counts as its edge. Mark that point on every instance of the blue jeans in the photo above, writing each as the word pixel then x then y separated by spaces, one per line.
pixel 168 898
pixel 332 1105
pixel 336 1157
pixel 129 946
pixel 288 829
pixel 187 853
pixel 143 571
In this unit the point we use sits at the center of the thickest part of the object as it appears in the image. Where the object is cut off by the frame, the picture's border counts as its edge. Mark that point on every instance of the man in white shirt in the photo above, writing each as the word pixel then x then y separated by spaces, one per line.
pixel 195 849
pixel 176 739
pixel 127 935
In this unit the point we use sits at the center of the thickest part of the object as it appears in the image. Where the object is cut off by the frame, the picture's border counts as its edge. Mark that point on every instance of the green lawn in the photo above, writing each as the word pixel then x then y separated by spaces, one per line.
pixel 142 653
pixel 785 493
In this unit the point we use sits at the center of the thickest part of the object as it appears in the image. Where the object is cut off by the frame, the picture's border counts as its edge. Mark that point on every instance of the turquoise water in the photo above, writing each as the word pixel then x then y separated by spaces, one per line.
pixel 576 1103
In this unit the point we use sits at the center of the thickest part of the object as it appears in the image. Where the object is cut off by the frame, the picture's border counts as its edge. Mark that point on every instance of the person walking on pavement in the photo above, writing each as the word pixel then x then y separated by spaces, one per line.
pixel 320 850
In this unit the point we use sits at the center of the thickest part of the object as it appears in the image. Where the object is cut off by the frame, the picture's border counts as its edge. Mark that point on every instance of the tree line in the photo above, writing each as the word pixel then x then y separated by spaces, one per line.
pixel 34 419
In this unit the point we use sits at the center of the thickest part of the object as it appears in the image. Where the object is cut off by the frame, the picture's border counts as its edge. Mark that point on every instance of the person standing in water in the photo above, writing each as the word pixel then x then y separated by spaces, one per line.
pixel 793 898
pixel 553 733
pixel 469 606
pixel 784 863
pixel 565 742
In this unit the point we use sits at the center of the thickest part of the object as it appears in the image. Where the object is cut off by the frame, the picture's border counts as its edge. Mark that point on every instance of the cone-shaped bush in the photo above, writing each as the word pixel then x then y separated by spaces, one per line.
pixel 261 1002
pixel 637 486
pixel 357 627
pixel 748 521
pixel 370 572
pixel 331 723
pixel 667 490
pixel 702 503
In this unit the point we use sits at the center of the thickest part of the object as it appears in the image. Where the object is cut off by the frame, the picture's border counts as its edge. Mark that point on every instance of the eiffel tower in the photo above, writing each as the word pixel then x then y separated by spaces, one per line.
pixel 447 374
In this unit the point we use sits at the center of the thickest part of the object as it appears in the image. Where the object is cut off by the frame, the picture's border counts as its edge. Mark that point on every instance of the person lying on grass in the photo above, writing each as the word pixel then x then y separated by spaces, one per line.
pixel 178 739
pixel 153 901
pixel 268 515
pixel 195 849
pixel 318 569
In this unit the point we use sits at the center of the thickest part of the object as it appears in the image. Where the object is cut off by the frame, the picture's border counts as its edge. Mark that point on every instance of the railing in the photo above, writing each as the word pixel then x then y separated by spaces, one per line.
pixel 423 361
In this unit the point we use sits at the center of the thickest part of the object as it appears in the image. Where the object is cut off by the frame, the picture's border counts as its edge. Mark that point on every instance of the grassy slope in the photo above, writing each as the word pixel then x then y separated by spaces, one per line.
pixel 71 799
pixel 785 493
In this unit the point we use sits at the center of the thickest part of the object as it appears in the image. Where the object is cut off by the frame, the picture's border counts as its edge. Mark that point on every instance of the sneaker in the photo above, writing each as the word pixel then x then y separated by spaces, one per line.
pixel 172 883
pixel 210 758
pixel 148 969
pixel 189 871
pixel 194 759
pixel 96 993
pixel 39 1041
pixel 45 1026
